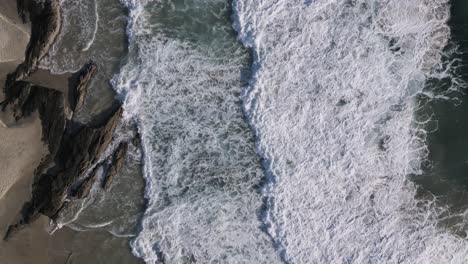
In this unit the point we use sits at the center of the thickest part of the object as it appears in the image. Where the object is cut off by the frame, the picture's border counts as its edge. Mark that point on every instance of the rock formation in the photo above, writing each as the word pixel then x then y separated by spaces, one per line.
pixel 25 98
pixel 116 164
pixel 80 86
pixel 79 147
pixel 45 21
pixel 74 148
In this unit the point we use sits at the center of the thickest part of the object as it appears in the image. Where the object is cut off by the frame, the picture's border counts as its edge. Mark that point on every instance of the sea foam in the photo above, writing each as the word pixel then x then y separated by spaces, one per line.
pixel 332 101
pixel 182 85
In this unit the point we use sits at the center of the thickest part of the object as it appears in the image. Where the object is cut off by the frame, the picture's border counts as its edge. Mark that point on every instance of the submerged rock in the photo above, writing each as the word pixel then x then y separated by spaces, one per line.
pixel 84 188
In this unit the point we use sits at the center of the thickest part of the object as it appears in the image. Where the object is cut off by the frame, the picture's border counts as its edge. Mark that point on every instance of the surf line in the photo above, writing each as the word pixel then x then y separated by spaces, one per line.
pixel 91 41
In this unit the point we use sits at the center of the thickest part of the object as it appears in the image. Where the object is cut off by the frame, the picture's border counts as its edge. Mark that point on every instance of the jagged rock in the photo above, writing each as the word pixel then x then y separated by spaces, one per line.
pixel 25 98
pixel 80 86
pixel 78 152
pixel 74 147
pixel 118 159
pixel 84 187
pixel 45 26
pixel 79 149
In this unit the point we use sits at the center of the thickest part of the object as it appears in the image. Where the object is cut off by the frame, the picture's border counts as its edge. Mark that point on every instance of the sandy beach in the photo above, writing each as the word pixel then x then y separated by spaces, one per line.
pixel 14 34
pixel 21 149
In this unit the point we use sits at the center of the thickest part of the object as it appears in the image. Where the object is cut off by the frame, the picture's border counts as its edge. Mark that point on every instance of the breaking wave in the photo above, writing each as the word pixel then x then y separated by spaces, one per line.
pixel 332 101
pixel 182 85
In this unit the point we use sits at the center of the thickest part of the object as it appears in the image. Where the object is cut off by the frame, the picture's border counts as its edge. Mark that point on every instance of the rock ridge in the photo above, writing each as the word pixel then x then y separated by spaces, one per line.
pixel 74 148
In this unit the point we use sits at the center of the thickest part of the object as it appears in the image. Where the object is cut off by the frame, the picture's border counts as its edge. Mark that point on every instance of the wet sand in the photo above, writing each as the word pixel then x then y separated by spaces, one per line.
pixel 45 78
pixel 29 246
pixel 14 36
pixel 33 245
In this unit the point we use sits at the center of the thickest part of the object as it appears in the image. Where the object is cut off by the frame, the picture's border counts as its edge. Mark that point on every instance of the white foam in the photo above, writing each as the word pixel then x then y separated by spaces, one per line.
pixel 201 167
pixel 96 24
pixel 333 107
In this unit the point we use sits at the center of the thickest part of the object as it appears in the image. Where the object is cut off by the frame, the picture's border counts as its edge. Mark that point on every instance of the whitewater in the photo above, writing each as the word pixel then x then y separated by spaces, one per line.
pixel 332 101
pixel 182 85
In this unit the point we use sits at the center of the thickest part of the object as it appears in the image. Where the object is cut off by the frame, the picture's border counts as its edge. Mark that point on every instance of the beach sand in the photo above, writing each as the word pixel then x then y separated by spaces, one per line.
pixel 21 150
pixel 33 245
pixel 14 35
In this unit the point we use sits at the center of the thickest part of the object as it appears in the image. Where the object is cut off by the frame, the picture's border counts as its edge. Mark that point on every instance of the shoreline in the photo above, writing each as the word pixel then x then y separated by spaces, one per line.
pixel 21 149
pixel 61 151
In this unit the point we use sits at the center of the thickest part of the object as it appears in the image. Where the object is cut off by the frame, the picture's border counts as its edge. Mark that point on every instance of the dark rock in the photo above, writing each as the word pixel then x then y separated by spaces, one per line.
pixel 25 98
pixel 342 102
pixel 136 141
pixel 45 26
pixel 77 152
pixel 79 85
pixel 118 159
pixel 23 7
pixel 85 186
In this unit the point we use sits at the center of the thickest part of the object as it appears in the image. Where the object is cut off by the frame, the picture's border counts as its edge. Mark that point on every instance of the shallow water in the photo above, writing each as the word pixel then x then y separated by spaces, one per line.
pixel 92 30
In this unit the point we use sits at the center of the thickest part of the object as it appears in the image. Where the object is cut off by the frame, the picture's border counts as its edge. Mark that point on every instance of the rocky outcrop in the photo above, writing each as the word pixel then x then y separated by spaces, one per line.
pixel 25 98
pixel 78 151
pixel 81 147
pixel 74 148
pixel 84 187
pixel 118 159
pixel 110 167
pixel 45 21
pixel 79 85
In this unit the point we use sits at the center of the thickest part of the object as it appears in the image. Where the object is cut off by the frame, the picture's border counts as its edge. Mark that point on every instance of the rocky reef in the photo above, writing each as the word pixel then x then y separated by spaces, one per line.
pixel 75 149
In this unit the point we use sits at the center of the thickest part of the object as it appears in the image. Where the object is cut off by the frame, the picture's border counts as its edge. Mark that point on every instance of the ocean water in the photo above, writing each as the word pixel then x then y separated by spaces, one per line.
pixel 92 30
pixel 281 131
pixel 446 171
